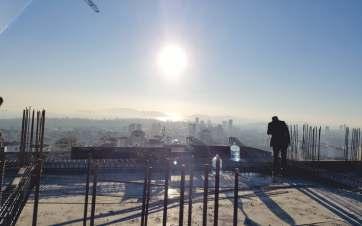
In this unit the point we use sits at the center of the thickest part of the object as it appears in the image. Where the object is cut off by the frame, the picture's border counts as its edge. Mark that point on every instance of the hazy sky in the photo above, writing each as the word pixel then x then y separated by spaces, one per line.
pixel 301 60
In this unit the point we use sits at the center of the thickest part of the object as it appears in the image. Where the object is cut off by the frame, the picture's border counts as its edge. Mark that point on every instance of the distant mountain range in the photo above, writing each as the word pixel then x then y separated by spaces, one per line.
pixel 118 113
pixel 129 113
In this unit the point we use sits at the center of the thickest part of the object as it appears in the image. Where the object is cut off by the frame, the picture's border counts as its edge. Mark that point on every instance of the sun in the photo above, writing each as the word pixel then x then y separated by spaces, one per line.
pixel 172 61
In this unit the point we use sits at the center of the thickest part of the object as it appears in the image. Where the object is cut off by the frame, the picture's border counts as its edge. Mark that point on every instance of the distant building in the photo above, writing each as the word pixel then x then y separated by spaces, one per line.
pixel 206 137
pixel 343 127
pixel 192 129
pixel 155 141
pixel 230 124
pixel 220 136
pixel 137 138
pixel 163 132
pixel 156 129
pixel 202 125
pixel 209 124
pixel 224 124
pixel 65 143
pixel 230 127
pixel 2 146
pixel 108 141
pixel 122 142
pixel 134 126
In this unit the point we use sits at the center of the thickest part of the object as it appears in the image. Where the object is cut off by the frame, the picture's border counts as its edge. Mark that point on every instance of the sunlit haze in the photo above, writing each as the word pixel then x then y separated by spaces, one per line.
pixel 250 60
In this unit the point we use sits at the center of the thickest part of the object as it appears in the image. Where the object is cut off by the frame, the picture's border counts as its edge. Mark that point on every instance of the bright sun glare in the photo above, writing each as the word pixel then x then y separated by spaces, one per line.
pixel 172 61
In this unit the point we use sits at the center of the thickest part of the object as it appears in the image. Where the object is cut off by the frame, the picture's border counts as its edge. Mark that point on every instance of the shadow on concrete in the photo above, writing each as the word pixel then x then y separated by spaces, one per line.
pixel 332 206
pixel 268 202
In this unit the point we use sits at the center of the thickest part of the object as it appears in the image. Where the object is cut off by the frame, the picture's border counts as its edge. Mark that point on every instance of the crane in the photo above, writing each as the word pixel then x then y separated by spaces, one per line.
pixel 92 5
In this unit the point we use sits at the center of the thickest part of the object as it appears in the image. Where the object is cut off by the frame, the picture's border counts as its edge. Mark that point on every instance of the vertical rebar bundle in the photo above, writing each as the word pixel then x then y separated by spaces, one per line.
pixel 294 142
pixel 354 148
pixel 28 144
pixel 311 142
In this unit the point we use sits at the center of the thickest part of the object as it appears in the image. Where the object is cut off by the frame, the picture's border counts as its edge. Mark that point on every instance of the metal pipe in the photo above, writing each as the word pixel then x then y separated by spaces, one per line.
pixel 236 193
pixel 32 131
pixel 144 196
pixel 85 211
pixel 2 176
pixel 182 196
pixel 22 136
pixel 217 187
pixel 310 142
pixel 303 141
pixel 28 132
pixel 25 136
pixel 42 131
pixel 37 131
pixel 94 193
pixel 36 192
pixel 191 179
pixel 148 195
pixel 346 144
pixel 206 188
pixel 165 198
pixel 319 143
pixel 313 143
pixel 297 147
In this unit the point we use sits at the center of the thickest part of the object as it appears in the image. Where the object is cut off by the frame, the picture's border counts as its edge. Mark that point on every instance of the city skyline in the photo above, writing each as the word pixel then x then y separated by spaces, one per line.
pixel 245 59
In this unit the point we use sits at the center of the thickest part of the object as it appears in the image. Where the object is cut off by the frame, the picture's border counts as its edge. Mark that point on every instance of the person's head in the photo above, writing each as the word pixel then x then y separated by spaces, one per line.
pixel 1 101
pixel 275 118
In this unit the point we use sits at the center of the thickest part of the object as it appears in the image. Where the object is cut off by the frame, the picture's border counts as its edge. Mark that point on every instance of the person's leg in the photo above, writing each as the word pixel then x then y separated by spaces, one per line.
pixel 284 159
pixel 276 166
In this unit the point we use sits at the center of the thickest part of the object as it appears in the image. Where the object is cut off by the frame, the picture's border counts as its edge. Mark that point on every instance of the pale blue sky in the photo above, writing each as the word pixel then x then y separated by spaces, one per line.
pixel 299 59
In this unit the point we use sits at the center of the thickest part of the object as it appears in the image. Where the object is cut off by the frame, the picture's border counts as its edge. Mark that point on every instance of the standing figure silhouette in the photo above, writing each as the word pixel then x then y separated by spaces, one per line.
pixel 280 141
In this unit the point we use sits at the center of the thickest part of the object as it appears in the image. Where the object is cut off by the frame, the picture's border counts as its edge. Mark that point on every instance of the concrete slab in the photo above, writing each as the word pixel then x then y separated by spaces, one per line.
pixel 262 201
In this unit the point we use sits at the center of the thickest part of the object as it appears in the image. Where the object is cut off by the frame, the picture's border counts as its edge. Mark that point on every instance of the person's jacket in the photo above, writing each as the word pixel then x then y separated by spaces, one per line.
pixel 280 134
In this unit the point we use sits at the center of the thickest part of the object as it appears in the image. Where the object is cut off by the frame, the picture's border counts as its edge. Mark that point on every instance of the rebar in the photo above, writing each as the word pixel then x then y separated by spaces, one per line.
pixel 144 196
pixel 36 191
pixel 148 195
pixel 182 196
pixel 189 216
pixel 165 198
pixel 236 193
pixel 206 188
pixel 85 211
pixel 217 187
pixel 94 192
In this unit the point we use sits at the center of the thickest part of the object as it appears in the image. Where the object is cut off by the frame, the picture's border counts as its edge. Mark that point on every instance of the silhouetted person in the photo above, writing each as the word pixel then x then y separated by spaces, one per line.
pixel 280 141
